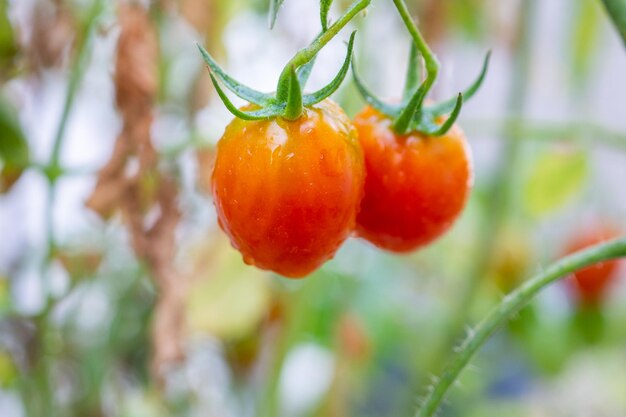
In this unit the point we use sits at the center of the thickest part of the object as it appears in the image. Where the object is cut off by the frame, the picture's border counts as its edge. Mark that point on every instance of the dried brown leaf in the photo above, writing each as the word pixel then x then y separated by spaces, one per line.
pixel 136 69
pixel 52 35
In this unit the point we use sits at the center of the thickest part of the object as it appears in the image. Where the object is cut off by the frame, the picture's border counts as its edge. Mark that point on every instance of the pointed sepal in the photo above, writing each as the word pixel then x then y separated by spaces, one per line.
pixel 236 87
pixel 389 110
pixel 447 106
pixel 331 87
pixel 430 128
pixel 264 113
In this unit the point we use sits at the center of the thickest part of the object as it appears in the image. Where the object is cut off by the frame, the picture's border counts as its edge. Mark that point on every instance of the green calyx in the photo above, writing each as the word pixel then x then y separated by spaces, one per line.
pixel 411 115
pixel 289 100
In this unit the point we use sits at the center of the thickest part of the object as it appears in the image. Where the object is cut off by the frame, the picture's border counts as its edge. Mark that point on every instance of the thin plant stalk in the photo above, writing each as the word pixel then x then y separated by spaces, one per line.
pixel 497 206
pixel 53 172
pixel 507 309
pixel 308 53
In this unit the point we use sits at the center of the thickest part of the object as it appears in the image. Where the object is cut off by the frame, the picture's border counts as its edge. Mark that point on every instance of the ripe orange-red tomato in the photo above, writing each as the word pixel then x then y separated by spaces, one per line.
pixel 591 283
pixel 287 192
pixel 415 185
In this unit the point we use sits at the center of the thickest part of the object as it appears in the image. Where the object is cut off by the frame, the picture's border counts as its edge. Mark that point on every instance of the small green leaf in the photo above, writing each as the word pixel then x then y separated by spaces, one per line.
pixel 440 130
pixel 304 72
pixel 556 178
pixel 274 6
pixel 236 87
pixel 331 87
pixel 413 73
pixel 228 299
pixel 324 9
pixel 583 39
pixel 14 152
pixel 403 122
pixel 8 369
pixel 8 46
pixel 262 114
pixel 447 106
pixel 389 110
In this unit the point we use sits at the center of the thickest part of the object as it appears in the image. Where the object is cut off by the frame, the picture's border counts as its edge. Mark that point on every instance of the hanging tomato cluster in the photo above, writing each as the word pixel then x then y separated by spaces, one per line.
pixel 293 177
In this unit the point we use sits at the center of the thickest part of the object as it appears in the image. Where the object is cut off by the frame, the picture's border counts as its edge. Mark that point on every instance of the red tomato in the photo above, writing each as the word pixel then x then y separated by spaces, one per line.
pixel 590 284
pixel 415 185
pixel 287 192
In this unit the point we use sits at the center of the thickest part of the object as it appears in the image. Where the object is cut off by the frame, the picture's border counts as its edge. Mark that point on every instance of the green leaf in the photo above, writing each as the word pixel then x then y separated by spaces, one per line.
pixel 413 73
pixel 389 110
pixel 233 85
pixel 469 16
pixel 324 9
pixel 447 106
pixel 8 369
pixel 14 152
pixel 228 298
pixel 403 123
pixel 331 87
pixel 8 47
pixel 274 6
pixel 584 39
pixel 304 72
pixel 262 114
pixel 556 178
pixel 440 130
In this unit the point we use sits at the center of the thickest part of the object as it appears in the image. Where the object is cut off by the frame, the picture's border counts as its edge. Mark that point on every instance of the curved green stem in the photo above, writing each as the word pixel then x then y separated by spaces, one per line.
pixel 512 304
pixel 293 108
pixel 308 53
pixel 53 170
pixel 497 206
pixel 617 11
pixel 403 122
pixel 413 74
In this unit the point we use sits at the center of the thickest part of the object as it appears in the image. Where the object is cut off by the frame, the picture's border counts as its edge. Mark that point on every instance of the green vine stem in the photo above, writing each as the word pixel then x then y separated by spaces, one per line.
pixel 512 304
pixel 617 12
pixel 497 206
pixel 289 102
pixel 403 122
pixel 53 171
pixel 411 115
pixel 307 54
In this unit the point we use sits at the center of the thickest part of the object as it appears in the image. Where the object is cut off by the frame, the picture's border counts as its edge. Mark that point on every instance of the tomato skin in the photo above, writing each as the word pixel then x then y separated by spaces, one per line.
pixel 287 192
pixel 591 283
pixel 415 186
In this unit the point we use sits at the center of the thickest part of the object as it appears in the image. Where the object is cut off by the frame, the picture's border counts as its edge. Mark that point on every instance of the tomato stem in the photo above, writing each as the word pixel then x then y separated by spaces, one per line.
pixel 308 53
pixel 293 108
pixel 411 115
pixel 512 304
pixel 403 122
pixel 289 101
pixel 413 73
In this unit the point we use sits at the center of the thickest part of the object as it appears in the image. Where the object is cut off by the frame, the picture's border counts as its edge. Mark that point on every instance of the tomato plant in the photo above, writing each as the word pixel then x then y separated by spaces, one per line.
pixel 418 163
pixel 287 192
pixel 416 185
pixel 288 174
